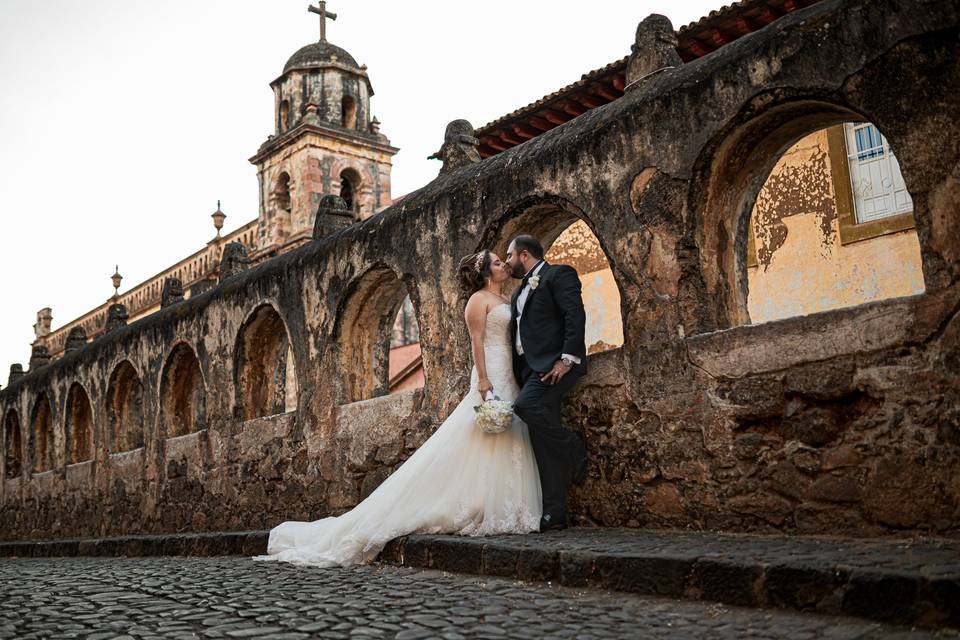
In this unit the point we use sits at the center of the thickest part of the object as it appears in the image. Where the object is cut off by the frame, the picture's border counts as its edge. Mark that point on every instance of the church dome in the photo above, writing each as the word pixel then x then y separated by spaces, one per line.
pixel 319 54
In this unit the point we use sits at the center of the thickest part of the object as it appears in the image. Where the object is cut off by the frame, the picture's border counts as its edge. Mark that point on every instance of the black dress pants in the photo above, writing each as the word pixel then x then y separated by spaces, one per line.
pixel 558 450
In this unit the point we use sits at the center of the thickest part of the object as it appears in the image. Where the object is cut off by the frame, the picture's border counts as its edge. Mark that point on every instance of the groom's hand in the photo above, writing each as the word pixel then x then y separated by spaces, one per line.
pixel 553 376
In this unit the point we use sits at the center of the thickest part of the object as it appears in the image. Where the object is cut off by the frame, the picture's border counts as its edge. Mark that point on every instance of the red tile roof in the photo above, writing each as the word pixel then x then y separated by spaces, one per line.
pixel 606 84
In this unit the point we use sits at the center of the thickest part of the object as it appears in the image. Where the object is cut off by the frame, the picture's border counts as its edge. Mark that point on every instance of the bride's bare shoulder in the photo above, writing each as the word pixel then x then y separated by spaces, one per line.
pixel 480 304
pixel 478 299
pixel 476 304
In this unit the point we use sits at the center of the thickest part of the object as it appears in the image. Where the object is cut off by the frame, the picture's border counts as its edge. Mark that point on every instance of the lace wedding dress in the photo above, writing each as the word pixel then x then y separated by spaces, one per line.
pixel 461 480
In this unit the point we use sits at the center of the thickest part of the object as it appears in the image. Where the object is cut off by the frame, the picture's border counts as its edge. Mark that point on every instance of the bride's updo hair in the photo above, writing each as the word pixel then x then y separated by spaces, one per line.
pixel 473 272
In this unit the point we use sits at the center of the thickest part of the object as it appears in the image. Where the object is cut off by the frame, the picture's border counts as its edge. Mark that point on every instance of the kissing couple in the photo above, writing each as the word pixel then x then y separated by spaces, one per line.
pixel 528 350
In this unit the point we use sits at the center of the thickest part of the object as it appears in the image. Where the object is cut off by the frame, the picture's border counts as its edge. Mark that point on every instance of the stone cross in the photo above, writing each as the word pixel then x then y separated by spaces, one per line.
pixel 324 14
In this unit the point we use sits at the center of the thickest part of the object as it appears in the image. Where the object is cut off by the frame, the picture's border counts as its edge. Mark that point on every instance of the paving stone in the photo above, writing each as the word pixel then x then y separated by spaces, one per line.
pixel 364 601
pixel 901 581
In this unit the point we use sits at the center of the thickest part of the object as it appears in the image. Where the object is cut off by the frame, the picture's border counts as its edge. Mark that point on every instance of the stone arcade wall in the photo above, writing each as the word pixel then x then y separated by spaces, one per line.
pixel 841 422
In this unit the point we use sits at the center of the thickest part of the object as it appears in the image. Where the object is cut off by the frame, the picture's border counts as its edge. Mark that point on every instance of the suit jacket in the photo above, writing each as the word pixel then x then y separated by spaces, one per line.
pixel 553 320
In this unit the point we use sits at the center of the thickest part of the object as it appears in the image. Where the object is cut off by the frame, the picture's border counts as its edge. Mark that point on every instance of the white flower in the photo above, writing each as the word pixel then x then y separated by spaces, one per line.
pixel 494 416
pixel 533 282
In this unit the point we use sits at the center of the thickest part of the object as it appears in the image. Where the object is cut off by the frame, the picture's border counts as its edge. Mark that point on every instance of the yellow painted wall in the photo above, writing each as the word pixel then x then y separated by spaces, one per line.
pixel 804 278
pixel 601 301
pixel 802 267
pixel 579 248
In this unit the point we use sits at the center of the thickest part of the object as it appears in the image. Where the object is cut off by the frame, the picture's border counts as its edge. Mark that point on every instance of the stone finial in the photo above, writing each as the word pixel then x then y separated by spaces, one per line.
pixel 171 293
pixel 116 317
pixel 234 260
pixel 39 356
pixel 16 372
pixel 333 214
pixel 44 318
pixel 116 279
pixel 218 218
pixel 459 146
pixel 654 48
pixel 75 339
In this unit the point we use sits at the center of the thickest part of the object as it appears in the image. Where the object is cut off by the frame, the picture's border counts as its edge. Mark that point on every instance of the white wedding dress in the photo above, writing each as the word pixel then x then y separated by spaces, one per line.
pixel 461 480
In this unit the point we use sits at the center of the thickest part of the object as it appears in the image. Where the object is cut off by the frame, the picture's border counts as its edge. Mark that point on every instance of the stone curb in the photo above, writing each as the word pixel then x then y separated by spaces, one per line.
pixel 929 597
pixel 885 595
pixel 172 544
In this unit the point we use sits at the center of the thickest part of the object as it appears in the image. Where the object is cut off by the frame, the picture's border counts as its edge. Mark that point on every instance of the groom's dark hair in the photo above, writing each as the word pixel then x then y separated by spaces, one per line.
pixel 529 244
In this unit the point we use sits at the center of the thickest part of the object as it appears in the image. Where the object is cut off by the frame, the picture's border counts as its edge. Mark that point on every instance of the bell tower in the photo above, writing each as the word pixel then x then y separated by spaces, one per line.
pixel 325 142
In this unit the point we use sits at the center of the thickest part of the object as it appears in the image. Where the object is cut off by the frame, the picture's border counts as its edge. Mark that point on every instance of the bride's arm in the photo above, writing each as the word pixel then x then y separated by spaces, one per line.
pixel 476 317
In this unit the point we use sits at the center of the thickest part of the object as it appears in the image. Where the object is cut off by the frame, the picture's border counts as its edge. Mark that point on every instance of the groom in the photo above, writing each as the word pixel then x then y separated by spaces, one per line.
pixel 549 356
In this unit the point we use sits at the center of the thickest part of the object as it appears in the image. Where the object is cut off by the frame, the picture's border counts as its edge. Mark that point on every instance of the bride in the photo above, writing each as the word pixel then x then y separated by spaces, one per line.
pixel 461 480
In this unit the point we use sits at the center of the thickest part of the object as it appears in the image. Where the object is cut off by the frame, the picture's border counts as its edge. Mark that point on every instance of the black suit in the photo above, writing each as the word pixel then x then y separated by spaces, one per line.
pixel 552 324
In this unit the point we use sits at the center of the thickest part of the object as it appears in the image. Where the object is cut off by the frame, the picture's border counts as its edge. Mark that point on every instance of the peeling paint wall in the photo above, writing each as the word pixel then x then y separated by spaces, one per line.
pixel 579 248
pixel 801 265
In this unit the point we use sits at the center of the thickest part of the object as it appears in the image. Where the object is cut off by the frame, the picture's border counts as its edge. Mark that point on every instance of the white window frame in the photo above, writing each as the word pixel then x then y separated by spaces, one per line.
pixel 876 182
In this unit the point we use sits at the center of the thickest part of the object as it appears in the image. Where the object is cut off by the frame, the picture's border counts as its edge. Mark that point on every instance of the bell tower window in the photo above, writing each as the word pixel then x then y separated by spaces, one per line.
pixel 350 189
pixel 284 115
pixel 281 193
pixel 348 112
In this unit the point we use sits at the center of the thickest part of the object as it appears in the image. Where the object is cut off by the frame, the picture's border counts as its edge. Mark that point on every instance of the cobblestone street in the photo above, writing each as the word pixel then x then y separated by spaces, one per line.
pixel 234 597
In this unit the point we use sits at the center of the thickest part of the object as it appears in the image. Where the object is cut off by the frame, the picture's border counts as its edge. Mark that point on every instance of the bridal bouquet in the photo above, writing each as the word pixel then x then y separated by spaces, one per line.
pixel 494 415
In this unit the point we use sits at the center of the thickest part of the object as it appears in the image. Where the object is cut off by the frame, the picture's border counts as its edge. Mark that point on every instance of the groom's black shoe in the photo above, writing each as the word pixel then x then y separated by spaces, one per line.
pixel 549 523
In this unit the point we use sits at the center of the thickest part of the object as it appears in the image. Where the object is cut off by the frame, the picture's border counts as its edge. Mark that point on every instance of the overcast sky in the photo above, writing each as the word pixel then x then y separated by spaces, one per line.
pixel 123 122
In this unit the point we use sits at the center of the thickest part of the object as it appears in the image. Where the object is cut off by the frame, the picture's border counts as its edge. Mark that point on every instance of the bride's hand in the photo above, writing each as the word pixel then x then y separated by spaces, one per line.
pixel 483 386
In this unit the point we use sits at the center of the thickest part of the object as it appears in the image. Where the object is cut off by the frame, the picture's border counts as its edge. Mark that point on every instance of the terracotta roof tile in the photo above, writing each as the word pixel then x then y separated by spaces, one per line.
pixel 696 39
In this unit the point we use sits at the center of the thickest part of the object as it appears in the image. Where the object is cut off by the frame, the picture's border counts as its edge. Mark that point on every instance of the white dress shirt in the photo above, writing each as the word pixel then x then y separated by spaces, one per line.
pixel 521 303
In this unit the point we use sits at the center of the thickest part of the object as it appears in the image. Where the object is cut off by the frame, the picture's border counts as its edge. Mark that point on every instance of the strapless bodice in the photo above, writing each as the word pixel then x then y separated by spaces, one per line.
pixel 497 331
pixel 498 354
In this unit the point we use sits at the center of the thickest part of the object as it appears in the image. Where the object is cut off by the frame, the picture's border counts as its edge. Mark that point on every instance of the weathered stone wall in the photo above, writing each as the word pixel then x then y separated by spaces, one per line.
pixel 841 422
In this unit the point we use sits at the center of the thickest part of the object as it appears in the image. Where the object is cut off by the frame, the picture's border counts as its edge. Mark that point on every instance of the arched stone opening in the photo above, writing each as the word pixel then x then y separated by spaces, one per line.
pixel 406 356
pixel 284 116
pixel 125 408
pixel 350 183
pixel 281 192
pixel 832 227
pixel 348 112
pixel 43 444
pixel 12 445
pixel 725 189
pixel 363 333
pixel 265 375
pixel 567 238
pixel 182 393
pixel 78 426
